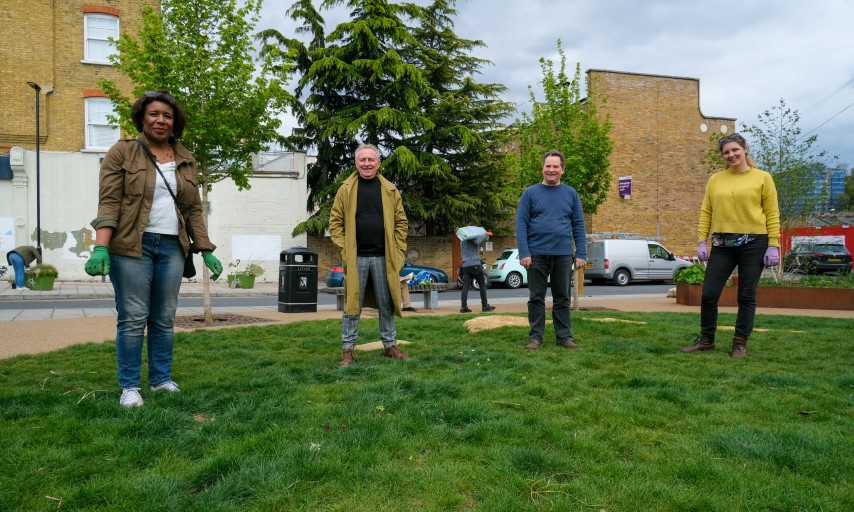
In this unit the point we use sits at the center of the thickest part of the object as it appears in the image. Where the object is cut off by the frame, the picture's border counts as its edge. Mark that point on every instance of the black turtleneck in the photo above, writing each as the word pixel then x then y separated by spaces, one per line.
pixel 370 231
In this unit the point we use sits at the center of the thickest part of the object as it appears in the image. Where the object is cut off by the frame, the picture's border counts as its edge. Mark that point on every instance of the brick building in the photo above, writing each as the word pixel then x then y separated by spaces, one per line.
pixel 63 46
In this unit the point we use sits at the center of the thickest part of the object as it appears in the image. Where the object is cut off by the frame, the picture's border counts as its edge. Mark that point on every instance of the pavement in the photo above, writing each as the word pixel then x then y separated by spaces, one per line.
pixel 35 330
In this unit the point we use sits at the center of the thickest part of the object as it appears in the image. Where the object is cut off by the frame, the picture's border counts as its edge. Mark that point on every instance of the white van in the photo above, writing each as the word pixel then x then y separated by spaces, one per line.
pixel 622 261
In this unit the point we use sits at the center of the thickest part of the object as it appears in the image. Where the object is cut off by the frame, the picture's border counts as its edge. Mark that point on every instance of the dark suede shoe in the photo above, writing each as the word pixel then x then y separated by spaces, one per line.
pixel 410 308
pixel 465 309
pixel 488 308
pixel 701 343
pixel 348 358
pixel 739 347
pixel 534 344
pixel 568 343
pixel 395 353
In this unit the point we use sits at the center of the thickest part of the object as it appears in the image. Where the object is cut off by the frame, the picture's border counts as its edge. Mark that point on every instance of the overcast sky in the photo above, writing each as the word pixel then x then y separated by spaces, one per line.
pixel 747 54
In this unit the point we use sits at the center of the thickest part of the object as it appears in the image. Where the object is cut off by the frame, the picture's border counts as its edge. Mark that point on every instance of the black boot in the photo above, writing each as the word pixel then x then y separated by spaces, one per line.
pixel 701 343
pixel 739 347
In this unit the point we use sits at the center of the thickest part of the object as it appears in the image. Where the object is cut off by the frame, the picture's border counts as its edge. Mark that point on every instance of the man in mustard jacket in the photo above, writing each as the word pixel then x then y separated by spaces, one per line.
pixel 368 225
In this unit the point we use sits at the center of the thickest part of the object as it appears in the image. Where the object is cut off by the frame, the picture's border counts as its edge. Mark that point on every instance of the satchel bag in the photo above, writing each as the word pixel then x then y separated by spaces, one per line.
pixel 189 265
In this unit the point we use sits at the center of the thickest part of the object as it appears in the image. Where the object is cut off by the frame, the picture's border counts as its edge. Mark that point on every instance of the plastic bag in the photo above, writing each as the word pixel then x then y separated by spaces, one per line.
pixel 469 232
pixel 422 277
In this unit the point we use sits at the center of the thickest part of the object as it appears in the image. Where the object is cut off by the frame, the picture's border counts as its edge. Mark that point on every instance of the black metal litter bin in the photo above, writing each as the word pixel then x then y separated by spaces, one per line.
pixel 297 280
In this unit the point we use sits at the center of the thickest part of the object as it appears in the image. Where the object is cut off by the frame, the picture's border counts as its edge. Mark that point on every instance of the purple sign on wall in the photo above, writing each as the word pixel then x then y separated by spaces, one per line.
pixel 625 187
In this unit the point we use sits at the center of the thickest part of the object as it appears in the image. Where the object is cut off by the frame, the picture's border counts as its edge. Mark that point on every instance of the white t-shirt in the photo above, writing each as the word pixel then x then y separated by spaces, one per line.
pixel 163 218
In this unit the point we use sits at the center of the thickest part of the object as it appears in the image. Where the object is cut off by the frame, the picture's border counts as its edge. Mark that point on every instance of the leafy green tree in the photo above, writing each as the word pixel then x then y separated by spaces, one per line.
pixel 568 122
pixel 201 52
pixel 848 196
pixel 795 163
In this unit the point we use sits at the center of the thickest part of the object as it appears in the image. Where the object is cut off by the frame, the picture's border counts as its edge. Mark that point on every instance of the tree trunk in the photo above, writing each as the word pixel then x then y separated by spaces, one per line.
pixel 206 284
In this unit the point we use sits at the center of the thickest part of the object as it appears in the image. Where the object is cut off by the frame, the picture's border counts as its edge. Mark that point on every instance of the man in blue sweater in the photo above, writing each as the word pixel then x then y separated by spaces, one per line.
pixel 551 237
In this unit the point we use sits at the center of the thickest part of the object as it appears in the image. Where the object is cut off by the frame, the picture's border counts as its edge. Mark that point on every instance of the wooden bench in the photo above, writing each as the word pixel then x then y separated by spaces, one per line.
pixel 431 295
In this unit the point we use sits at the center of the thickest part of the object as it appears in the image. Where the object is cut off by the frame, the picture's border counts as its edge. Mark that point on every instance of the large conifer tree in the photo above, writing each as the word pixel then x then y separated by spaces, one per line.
pixel 407 89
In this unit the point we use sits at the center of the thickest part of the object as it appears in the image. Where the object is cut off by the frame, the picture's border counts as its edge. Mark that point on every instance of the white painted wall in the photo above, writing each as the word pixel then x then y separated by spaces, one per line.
pixel 253 225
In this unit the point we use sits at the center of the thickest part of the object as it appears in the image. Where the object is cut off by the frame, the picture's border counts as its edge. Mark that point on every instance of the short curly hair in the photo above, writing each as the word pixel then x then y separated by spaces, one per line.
pixel 138 111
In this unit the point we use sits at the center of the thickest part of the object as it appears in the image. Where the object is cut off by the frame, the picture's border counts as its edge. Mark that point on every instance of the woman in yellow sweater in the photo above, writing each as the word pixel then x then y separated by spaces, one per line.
pixel 740 212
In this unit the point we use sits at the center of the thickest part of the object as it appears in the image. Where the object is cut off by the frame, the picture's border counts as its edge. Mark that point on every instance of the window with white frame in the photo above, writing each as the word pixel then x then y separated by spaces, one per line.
pixel 100 133
pixel 97 31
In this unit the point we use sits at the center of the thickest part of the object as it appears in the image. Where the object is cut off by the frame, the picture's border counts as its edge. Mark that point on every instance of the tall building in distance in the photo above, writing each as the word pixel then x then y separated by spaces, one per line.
pixel 835 179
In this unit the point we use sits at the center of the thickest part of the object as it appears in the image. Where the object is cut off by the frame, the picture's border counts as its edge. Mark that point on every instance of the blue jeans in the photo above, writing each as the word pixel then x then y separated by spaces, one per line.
pixel 147 297
pixel 722 261
pixel 373 268
pixel 559 269
pixel 17 262
pixel 474 272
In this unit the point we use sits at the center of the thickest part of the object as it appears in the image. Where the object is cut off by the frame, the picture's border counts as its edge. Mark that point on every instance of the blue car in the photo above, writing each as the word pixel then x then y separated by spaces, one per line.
pixel 335 274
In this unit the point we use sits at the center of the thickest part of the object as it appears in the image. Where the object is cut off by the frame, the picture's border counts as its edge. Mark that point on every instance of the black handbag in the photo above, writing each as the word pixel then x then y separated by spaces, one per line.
pixel 189 265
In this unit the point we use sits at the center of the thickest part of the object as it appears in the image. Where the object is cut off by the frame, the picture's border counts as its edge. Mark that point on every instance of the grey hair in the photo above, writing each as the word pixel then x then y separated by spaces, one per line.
pixel 371 147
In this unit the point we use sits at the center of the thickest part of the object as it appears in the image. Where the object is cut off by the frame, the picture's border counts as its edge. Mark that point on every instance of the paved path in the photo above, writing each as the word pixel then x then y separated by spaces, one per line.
pixel 30 331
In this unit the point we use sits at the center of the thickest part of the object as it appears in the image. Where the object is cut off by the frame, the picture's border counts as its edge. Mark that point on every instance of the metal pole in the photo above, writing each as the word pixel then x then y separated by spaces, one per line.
pixel 38 169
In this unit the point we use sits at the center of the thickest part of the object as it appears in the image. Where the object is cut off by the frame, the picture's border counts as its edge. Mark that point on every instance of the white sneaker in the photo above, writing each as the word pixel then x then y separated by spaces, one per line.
pixel 169 386
pixel 24 288
pixel 131 398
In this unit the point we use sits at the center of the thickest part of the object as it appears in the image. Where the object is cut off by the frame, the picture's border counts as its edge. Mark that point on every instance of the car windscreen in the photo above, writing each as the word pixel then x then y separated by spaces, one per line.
pixel 829 248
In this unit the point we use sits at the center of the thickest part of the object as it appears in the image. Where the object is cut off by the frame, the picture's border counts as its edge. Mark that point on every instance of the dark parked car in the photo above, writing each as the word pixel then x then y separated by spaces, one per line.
pixel 815 258
pixel 335 274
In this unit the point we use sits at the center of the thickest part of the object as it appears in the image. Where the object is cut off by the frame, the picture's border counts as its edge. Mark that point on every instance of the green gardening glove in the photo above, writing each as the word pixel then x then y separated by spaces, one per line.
pixel 98 263
pixel 213 264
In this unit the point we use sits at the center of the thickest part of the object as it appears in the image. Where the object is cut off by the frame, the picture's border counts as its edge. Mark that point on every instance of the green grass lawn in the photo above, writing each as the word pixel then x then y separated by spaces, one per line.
pixel 267 422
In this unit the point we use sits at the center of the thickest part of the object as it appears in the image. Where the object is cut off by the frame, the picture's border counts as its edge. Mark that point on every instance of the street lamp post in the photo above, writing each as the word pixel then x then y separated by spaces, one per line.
pixel 38 169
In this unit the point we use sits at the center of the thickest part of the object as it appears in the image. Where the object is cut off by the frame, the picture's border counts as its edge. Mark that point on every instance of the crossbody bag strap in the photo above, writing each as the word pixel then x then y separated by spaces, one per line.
pixel 151 157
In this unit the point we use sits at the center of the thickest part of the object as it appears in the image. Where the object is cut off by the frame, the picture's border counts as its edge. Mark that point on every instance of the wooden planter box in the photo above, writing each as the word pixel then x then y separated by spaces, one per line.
pixel 40 283
pixel 775 297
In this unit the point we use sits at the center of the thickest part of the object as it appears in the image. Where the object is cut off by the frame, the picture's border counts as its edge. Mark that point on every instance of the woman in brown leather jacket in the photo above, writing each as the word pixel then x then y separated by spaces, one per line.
pixel 149 218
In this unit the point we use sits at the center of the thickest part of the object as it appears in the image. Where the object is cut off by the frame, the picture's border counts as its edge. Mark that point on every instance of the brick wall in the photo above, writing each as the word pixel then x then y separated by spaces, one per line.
pixel 657 129
pixel 47 48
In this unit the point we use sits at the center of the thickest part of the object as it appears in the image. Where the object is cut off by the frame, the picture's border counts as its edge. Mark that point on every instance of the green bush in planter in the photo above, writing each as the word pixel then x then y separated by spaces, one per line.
pixel 691 275
pixel 244 278
pixel 41 277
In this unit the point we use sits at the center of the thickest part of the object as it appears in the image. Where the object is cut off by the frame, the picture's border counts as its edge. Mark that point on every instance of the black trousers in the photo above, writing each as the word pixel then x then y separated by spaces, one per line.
pixel 473 272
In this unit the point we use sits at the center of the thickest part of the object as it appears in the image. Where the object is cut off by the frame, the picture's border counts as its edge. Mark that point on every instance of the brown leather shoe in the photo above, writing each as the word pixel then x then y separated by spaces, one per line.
pixel 739 347
pixel 534 344
pixel 568 343
pixel 701 343
pixel 348 358
pixel 395 353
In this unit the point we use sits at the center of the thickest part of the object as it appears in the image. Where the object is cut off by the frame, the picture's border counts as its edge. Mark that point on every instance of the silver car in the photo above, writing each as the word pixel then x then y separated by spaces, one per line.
pixel 622 261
